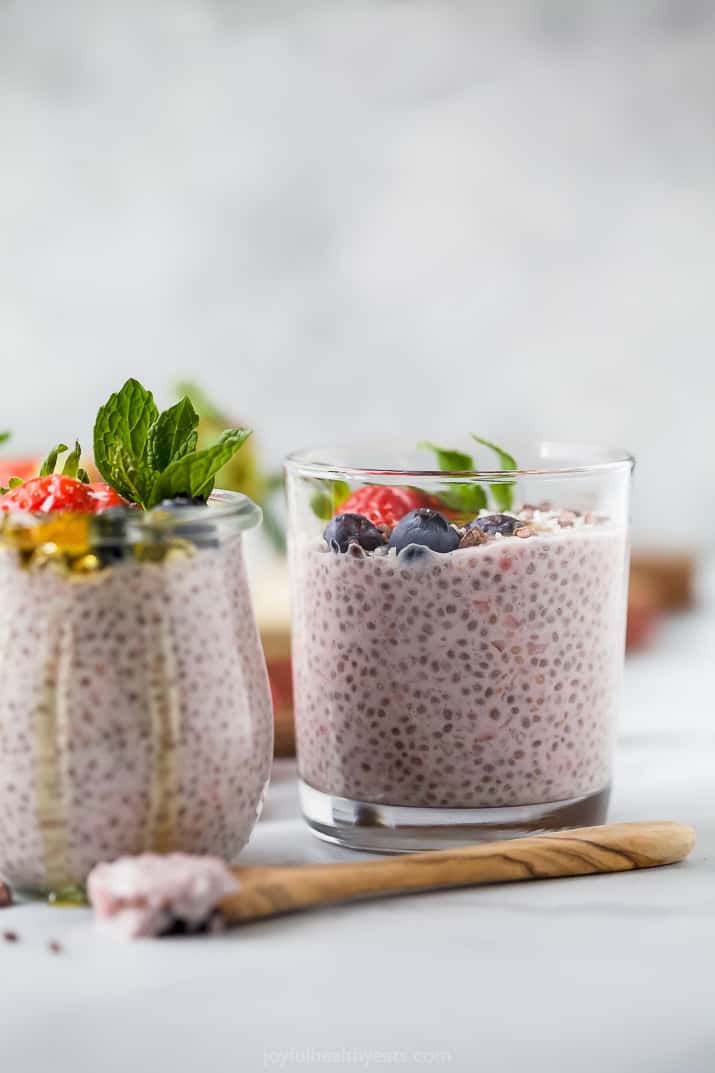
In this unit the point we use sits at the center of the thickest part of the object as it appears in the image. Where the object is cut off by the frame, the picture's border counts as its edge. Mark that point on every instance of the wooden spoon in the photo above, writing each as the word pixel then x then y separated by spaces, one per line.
pixel 617 847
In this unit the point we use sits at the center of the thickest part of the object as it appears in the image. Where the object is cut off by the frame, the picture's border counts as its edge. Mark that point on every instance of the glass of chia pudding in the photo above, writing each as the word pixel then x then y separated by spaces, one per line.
pixel 135 712
pixel 458 639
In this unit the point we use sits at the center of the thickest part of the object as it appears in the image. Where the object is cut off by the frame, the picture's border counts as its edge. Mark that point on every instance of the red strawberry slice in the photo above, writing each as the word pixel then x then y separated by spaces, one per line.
pixel 385 505
pixel 103 496
pixel 43 495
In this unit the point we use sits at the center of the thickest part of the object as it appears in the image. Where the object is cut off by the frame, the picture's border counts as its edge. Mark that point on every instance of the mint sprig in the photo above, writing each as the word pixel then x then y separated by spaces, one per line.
pixel 503 493
pixel 148 456
pixel 173 435
pixel 4 437
pixel 456 461
pixel 327 498
pixel 471 497
pixel 193 473
pixel 464 498
pixel 244 472
pixel 127 474
pixel 124 419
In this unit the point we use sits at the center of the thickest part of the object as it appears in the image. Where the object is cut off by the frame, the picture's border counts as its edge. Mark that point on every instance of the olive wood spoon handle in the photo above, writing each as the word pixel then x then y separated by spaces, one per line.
pixel 617 847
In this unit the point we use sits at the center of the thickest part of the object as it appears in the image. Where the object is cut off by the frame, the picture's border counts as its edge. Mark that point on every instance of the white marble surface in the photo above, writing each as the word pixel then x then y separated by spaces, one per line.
pixel 581 975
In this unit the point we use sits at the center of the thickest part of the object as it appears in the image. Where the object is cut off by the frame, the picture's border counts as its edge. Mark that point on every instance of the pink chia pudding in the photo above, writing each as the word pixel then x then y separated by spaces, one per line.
pixel 137 715
pixel 486 676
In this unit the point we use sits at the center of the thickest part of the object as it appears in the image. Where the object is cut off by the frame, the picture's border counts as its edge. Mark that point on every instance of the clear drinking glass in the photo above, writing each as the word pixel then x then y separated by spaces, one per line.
pixel 448 697
pixel 135 712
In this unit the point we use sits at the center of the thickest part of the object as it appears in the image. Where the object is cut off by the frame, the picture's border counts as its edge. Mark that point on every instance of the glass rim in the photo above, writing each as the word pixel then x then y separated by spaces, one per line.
pixel 224 506
pixel 613 459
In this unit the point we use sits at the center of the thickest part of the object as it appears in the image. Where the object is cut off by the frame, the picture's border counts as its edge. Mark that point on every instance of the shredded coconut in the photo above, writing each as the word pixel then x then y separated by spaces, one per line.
pixel 145 895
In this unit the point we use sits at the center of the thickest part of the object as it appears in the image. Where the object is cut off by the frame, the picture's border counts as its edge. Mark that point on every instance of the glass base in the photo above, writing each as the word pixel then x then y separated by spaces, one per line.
pixel 401 829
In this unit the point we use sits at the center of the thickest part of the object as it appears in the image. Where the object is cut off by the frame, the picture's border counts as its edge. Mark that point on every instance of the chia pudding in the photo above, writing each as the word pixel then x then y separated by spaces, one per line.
pixel 480 677
pixel 137 714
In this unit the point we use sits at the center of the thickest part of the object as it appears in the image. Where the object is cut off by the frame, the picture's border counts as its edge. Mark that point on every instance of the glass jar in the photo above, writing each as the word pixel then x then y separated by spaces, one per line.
pixel 135 712
pixel 447 696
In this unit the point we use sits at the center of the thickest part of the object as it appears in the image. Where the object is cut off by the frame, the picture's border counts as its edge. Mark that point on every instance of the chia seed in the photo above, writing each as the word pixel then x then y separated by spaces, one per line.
pixel 162 713
pixel 505 688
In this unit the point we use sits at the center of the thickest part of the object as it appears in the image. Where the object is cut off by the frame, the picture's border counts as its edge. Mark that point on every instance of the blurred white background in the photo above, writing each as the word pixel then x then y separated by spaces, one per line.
pixel 369 218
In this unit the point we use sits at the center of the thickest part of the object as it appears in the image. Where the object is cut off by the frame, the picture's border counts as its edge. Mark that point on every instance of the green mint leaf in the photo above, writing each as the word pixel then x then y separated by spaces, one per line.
pixel 194 473
pixel 15 482
pixel 321 505
pixel 125 418
pixel 130 478
pixel 48 466
pixel 83 476
pixel 455 461
pixel 71 466
pixel 172 435
pixel 503 493
pixel 506 461
pixel 326 500
pixel 147 456
pixel 5 436
pixel 465 498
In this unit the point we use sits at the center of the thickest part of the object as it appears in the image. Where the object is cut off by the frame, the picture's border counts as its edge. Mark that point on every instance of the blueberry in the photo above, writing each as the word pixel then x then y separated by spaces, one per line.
pixel 414 553
pixel 181 501
pixel 346 529
pixel 492 524
pixel 426 527
pixel 195 529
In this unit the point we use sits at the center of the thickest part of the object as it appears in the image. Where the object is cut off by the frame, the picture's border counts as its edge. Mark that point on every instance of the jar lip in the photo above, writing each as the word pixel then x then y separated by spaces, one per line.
pixel 233 508
pixel 308 462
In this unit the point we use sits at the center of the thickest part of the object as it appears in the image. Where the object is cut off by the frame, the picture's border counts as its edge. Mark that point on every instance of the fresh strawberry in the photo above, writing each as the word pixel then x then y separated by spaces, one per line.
pixel 42 495
pixel 45 494
pixel 385 505
pixel 103 496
